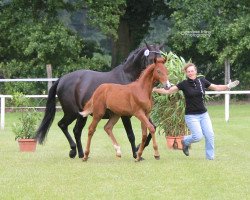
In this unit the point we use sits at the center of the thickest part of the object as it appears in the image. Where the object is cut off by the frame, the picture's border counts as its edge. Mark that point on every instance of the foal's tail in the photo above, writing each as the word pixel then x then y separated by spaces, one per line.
pixel 49 114
pixel 88 108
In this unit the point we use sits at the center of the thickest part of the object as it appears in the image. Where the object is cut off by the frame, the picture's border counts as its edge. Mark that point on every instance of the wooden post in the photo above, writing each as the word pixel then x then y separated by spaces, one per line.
pixel 227 71
pixel 49 75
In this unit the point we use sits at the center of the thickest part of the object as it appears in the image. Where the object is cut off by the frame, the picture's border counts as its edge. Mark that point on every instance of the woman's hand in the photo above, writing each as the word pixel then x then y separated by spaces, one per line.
pixel 233 84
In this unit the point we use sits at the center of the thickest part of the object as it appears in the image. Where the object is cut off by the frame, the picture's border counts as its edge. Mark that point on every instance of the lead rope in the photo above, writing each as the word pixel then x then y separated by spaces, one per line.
pixel 202 91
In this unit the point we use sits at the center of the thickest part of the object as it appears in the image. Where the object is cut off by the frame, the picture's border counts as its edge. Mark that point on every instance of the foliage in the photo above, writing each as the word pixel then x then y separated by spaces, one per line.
pixel 169 110
pixel 126 22
pixel 106 14
pixel 25 128
pixel 212 32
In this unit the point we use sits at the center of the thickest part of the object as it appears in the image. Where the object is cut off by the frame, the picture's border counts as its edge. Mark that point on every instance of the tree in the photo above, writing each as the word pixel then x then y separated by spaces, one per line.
pixel 217 30
pixel 32 35
pixel 126 22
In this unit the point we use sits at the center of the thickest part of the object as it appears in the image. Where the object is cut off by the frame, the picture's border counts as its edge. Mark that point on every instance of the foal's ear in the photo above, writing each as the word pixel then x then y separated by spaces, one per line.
pixel 155 59
pixel 164 60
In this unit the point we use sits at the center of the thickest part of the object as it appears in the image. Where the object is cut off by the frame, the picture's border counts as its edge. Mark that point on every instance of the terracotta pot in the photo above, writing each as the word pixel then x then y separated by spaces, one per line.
pixel 27 145
pixel 174 142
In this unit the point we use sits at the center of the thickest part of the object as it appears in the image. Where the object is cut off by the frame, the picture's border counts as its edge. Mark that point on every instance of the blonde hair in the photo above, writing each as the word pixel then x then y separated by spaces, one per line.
pixel 189 65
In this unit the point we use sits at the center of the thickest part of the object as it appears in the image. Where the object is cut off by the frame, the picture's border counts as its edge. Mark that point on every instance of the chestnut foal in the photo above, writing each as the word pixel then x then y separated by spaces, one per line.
pixel 134 99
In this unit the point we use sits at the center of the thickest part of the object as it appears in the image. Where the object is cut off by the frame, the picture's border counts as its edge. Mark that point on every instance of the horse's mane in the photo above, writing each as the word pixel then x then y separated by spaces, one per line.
pixel 132 55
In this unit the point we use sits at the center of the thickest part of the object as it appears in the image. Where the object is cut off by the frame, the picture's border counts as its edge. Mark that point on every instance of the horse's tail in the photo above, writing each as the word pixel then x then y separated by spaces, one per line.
pixel 49 114
pixel 88 108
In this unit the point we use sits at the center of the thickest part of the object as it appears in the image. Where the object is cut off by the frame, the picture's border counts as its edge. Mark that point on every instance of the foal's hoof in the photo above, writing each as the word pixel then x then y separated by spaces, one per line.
pixel 72 153
pixel 139 160
pixel 84 159
pixel 118 155
pixel 157 157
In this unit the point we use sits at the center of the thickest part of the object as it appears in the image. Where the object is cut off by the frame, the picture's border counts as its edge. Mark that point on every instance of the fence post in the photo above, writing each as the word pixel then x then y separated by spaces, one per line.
pixel 227 96
pixel 227 102
pixel 2 112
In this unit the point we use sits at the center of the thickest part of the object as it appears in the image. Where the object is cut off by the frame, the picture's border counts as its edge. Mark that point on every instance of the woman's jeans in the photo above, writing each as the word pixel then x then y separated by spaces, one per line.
pixel 199 125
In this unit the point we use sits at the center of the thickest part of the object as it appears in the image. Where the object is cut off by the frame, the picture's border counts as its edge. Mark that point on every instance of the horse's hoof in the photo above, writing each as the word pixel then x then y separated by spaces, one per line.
pixel 72 154
pixel 157 157
pixel 81 155
pixel 118 155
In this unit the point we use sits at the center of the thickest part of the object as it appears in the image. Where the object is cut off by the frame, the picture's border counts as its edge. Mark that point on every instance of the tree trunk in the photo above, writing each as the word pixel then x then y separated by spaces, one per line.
pixel 121 46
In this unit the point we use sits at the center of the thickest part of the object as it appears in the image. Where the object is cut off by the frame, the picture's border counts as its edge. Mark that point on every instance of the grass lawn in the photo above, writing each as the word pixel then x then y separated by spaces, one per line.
pixel 50 174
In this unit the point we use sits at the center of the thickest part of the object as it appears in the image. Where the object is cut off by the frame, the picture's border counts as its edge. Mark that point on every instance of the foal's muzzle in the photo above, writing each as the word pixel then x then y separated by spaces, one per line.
pixel 167 85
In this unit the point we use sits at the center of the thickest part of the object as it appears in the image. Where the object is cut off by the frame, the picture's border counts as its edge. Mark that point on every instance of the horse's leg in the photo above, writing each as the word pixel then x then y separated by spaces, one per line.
pixel 63 124
pixel 92 128
pixel 80 123
pixel 108 128
pixel 128 127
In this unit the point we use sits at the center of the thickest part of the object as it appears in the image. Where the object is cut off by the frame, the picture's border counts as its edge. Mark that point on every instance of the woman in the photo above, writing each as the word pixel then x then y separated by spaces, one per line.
pixel 196 115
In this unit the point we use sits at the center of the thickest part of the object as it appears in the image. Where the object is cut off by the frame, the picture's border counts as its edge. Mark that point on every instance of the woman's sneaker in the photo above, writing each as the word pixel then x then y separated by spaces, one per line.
pixel 185 148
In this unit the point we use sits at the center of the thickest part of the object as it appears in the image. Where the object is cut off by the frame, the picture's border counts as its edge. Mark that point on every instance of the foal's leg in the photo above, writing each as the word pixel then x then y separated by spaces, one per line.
pixel 143 140
pixel 149 137
pixel 145 120
pixel 108 128
pixel 92 128
pixel 155 147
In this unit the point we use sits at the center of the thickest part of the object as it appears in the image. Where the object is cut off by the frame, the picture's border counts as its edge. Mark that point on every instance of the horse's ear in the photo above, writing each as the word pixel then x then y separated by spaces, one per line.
pixel 147 45
pixel 161 46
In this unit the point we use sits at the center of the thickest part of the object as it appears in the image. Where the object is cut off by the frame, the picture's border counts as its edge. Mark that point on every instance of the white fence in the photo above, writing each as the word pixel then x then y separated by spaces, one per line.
pixel 3 97
pixel 227 99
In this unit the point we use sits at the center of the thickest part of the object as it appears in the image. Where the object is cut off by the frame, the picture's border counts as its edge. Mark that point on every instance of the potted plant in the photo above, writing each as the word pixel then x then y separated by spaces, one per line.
pixel 25 128
pixel 169 110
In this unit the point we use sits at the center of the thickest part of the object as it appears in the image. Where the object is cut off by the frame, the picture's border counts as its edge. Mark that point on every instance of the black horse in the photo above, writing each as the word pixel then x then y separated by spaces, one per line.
pixel 75 89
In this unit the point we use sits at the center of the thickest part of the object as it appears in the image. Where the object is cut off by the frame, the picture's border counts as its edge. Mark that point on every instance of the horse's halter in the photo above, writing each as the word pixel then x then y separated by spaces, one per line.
pixel 147 52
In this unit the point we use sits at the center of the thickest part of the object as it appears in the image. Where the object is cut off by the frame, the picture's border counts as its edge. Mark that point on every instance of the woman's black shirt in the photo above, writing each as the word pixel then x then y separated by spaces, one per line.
pixel 194 92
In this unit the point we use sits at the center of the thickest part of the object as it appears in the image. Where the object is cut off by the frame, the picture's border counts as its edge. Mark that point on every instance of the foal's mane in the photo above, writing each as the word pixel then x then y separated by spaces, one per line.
pixel 151 67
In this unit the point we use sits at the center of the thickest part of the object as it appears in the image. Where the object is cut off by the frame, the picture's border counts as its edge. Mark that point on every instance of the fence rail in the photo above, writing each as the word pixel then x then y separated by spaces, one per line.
pixel 3 97
pixel 226 93
pixel 28 80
